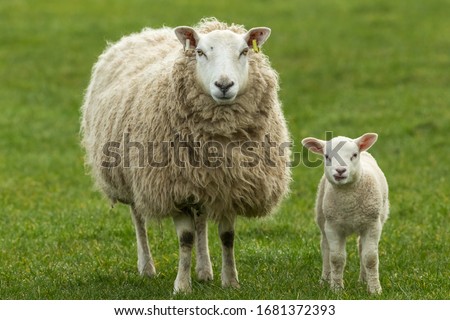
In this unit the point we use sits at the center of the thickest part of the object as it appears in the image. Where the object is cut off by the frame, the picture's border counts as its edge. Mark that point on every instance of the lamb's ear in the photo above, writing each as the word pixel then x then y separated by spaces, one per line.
pixel 260 34
pixel 366 141
pixel 314 145
pixel 187 36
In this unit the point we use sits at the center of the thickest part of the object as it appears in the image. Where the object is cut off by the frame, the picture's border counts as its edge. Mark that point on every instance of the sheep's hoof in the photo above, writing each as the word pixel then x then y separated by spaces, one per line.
pixel 205 275
pixel 147 270
pixel 233 283
pixel 375 289
pixel 182 287
pixel 337 287
pixel 323 282
pixel 182 291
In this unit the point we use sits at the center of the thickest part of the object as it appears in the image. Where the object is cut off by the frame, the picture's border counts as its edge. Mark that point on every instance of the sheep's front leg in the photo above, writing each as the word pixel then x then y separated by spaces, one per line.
pixel 184 224
pixel 229 272
pixel 146 266
pixel 369 258
pixel 336 242
pixel 203 266
pixel 325 248
pixel 362 267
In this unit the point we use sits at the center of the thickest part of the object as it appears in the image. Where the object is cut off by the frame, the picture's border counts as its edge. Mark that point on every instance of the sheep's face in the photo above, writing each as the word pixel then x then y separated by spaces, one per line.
pixel 222 65
pixel 222 59
pixel 341 156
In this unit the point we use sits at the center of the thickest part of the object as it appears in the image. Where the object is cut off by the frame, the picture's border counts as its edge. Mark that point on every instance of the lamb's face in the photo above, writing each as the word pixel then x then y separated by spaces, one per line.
pixel 341 156
pixel 222 59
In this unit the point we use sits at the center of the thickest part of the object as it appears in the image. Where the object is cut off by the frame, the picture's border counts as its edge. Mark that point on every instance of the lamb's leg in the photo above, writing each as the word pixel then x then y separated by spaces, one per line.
pixel 184 224
pixel 203 266
pixel 362 267
pixel 146 266
pixel 325 248
pixel 369 257
pixel 336 242
pixel 229 272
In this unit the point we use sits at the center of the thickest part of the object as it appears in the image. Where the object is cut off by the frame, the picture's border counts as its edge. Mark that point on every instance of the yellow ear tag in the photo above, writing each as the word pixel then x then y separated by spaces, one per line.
pixel 188 45
pixel 255 46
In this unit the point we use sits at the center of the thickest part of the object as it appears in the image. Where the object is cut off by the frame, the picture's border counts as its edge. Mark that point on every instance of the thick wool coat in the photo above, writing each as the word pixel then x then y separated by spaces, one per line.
pixel 176 146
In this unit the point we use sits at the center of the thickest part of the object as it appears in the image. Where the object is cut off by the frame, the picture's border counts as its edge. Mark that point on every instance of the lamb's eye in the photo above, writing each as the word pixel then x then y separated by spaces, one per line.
pixel 327 157
pixel 244 52
pixel 200 52
pixel 354 156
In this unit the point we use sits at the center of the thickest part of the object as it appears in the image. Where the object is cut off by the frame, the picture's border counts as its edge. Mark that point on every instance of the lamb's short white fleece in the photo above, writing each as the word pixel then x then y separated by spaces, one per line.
pixel 352 198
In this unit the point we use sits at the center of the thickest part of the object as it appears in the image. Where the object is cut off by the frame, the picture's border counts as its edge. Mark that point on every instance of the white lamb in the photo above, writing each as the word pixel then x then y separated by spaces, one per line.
pixel 352 198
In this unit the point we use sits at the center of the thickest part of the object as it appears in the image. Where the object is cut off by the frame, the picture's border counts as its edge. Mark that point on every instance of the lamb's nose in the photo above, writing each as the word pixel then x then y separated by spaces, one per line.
pixel 341 170
pixel 224 85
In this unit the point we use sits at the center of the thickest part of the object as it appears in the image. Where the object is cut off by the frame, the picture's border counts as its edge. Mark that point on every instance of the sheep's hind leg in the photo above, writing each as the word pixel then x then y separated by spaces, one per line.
pixel 146 266
pixel 369 258
pixel 325 248
pixel 362 267
pixel 184 224
pixel 203 266
pixel 229 272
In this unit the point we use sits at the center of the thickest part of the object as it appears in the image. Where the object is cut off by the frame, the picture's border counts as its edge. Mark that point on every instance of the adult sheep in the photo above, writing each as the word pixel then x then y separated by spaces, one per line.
pixel 192 131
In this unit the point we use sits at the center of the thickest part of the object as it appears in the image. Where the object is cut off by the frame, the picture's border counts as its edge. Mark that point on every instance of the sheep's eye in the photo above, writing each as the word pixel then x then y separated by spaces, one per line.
pixel 355 155
pixel 200 52
pixel 327 157
pixel 244 52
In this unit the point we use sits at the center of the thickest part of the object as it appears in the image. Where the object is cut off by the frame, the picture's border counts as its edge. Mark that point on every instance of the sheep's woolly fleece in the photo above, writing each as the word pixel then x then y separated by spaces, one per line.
pixel 144 86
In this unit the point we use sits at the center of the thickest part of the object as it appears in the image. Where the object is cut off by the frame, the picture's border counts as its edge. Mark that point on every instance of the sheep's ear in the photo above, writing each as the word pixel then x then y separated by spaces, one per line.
pixel 260 34
pixel 314 145
pixel 187 36
pixel 366 141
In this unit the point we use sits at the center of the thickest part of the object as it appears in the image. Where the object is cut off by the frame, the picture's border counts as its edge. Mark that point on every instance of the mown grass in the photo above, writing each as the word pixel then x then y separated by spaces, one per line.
pixel 346 66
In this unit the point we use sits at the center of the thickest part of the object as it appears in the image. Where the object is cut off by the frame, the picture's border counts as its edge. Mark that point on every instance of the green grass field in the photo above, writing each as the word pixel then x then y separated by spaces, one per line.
pixel 346 66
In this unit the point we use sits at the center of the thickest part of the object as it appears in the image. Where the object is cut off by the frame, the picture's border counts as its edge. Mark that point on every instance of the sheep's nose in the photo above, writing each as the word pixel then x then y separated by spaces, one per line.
pixel 341 170
pixel 224 85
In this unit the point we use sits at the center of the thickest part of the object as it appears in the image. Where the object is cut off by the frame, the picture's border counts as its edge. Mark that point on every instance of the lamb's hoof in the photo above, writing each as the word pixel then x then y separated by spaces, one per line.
pixel 182 287
pixel 362 279
pixel 147 270
pixel 205 275
pixel 376 290
pixel 337 287
pixel 232 283
pixel 323 282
